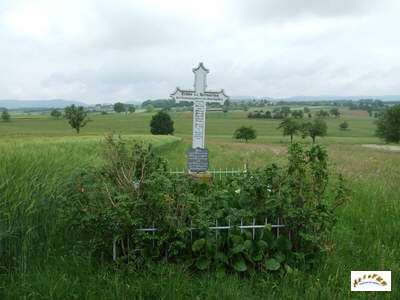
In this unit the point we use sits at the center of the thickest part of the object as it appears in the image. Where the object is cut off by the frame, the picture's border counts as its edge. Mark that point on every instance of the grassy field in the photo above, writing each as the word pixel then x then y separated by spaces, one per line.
pixel 219 126
pixel 40 259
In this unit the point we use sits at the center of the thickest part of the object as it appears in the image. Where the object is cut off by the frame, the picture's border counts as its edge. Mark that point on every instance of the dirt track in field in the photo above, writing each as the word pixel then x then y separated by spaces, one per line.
pixel 383 147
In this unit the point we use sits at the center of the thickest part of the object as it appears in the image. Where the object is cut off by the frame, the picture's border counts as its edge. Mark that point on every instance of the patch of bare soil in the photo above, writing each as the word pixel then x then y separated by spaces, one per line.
pixel 382 147
pixel 357 113
pixel 186 115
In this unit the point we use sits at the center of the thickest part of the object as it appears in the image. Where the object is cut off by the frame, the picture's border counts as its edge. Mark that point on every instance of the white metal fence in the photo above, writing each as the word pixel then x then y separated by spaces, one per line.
pixel 217 228
pixel 217 173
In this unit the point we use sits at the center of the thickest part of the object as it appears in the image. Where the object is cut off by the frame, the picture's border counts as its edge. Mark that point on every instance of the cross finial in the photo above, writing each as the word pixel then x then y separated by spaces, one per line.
pixel 200 80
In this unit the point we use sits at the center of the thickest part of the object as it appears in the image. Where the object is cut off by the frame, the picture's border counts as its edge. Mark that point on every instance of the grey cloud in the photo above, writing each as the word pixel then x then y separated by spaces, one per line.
pixel 128 50
pixel 266 11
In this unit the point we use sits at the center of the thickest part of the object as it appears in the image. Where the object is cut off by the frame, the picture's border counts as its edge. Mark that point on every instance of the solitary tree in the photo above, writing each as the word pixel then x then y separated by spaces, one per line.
pixel 290 127
pixel 149 108
pixel 388 125
pixel 161 123
pixel 119 107
pixel 132 109
pixel 55 114
pixel 297 114
pixel 335 112
pixel 285 111
pixel 5 116
pixel 322 113
pixel 76 116
pixel 315 128
pixel 246 133
pixel 344 125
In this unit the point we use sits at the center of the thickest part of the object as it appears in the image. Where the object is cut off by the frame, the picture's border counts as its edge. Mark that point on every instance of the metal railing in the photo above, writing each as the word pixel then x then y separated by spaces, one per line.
pixel 215 172
pixel 217 228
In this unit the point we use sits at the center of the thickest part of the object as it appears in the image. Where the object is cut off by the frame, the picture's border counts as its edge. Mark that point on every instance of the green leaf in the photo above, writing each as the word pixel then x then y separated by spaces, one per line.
pixel 268 227
pixel 203 263
pixel 288 269
pixel 220 256
pixel 188 262
pixel 237 249
pixel 239 264
pixel 262 244
pixel 198 245
pixel 220 271
pixel 272 264
pixel 244 200
pixel 284 243
pixel 258 257
pixel 248 244
pixel 237 239
pixel 279 256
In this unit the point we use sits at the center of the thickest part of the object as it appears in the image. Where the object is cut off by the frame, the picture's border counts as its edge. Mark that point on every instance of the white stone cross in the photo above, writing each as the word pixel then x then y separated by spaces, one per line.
pixel 199 96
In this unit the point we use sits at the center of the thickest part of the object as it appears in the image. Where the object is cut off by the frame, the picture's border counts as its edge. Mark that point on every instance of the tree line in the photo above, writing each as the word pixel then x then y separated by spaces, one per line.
pixel 285 111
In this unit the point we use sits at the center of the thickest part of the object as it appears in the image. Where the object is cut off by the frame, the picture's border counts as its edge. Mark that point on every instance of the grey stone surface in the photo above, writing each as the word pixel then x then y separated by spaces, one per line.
pixel 198 160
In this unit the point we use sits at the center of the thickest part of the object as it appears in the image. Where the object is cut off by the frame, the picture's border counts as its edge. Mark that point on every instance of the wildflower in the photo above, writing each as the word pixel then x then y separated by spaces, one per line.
pixel 237 191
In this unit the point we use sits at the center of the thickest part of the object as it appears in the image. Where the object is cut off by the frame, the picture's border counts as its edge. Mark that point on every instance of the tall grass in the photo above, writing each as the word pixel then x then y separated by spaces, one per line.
pixel 32 178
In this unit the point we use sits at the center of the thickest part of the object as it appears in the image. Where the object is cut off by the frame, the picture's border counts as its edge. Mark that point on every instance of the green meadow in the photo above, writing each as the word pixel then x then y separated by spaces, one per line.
pixel 41 258
pixel 219 126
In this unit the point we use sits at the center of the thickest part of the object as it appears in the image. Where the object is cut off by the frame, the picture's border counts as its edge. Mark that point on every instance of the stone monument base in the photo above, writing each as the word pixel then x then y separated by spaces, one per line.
pixel 201 177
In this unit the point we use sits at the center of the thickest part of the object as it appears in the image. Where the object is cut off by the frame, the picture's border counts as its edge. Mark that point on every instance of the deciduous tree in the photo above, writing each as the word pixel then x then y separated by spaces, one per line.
pixel 245 133
pixel 290 127
pixel 149 108
pixel 55 114
pixel 76 116
pixel 119 107
pixel 314 128
pixel 132 109
pixel 344 125
pixel 388 125
pixel 5 116
pixel 161 123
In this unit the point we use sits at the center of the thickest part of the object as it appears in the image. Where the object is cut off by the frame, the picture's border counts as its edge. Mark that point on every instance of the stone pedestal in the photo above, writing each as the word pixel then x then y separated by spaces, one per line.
pixel 202 177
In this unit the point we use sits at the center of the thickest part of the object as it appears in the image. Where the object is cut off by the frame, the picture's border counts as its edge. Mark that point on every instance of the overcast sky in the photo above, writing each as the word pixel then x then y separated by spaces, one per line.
pixel 97 51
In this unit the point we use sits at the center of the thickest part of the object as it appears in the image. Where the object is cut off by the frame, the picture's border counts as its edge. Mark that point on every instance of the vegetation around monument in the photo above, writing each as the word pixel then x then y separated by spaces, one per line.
pixel 134 187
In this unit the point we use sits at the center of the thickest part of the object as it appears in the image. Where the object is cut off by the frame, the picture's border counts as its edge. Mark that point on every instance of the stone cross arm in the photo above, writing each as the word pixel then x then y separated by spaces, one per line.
pixel 206 96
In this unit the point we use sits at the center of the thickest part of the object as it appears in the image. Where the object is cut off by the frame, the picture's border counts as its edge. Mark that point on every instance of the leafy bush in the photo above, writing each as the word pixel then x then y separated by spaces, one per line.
pixel 161 123
pixel 133 190
pixel 5 115
pixel 388 125
pixel 344 125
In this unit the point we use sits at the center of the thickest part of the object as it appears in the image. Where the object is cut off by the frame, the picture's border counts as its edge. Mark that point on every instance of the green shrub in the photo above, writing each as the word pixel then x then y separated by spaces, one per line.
pixel 134 190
